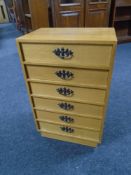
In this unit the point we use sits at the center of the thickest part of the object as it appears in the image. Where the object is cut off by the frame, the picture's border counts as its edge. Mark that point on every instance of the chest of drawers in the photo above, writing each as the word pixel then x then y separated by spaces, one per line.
pixel 68 73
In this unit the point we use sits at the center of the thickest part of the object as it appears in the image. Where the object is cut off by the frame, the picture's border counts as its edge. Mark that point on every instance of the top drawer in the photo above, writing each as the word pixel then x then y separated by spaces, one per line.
pixel 68 55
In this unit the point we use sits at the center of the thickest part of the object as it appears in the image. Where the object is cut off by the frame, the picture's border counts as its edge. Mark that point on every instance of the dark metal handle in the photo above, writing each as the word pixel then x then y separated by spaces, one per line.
pixel 65 91
pixel 66 119
pixel 66 106
pixel 63 53
pixel 67 129
pixel 65 75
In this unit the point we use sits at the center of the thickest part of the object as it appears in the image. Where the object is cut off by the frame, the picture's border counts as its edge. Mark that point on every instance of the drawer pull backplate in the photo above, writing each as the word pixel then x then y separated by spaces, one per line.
pixel 66 119
pixel 67 129
pixel 65 91
pixel 65 75
pixel 63 53
pixel 66 106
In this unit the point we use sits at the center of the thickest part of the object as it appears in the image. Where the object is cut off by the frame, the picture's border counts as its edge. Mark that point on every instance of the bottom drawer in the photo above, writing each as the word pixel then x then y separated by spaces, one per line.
pixel 69 138
pixel 71 131
pixel 73 120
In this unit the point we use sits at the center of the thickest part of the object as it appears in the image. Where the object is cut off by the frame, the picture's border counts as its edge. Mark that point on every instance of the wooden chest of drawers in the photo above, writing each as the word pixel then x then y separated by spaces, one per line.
pixel 68 74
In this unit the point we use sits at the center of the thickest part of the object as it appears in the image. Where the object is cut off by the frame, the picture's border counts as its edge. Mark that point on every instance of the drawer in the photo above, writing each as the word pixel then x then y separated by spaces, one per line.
pixel 72 120
pixel 69 76
pixel 83 55
pixel 125 3
pixel 99 6
pixel 71 131
pixel 93 96
pixel 68 138
pixel 68 107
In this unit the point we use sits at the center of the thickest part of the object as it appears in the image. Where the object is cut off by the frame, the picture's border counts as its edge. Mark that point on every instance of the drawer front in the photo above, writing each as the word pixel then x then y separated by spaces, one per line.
pixel 70 93
pixel 122 3
pixel 68 138
pixel 68 107
pixel 68 76
pixel 83 55
pixel 63 129
pixel 98 6
pixel 72 120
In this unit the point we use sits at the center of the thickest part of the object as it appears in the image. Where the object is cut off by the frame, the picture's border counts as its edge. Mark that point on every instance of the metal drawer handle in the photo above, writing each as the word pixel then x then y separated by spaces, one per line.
pixel 66 106
pixel 67 129
pixel 63 53
pixel 65 75
pixel 65 91
pixel 66 119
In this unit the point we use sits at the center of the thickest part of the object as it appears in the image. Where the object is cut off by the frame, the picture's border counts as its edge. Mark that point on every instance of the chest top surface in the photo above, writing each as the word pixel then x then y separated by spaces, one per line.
pixel 71 35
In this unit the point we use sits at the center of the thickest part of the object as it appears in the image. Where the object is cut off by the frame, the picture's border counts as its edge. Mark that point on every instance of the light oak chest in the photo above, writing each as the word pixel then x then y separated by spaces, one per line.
pixel 68 74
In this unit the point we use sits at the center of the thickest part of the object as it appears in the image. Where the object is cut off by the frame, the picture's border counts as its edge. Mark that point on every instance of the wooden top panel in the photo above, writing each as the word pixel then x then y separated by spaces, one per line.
pixel 71 35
